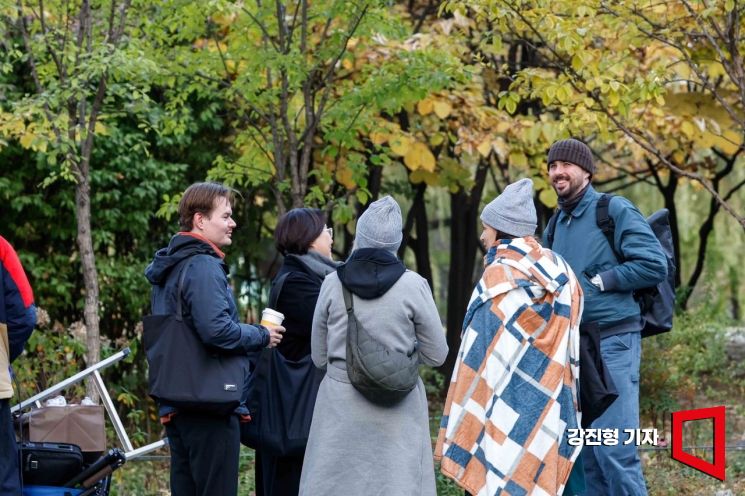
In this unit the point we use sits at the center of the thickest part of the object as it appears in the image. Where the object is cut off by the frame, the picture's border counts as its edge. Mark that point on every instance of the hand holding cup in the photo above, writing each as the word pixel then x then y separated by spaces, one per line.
pixel 272 320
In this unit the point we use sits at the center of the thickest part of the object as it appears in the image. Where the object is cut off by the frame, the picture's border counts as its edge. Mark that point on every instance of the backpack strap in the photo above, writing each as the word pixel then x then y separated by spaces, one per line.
pixel 551 228
pixel 348 300
pixel 277 289
pixel 606 223
pixel 179 291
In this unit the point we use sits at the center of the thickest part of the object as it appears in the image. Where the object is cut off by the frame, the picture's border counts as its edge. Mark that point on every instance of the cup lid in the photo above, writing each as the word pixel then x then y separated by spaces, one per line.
pixel 271 311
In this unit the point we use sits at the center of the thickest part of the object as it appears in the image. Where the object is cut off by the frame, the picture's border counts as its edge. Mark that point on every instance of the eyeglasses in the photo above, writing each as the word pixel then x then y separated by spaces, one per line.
pixel 329 230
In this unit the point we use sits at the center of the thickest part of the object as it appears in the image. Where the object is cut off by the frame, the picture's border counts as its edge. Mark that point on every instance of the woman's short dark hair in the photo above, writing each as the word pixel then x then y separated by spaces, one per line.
pixel 200 198
pixel 297 229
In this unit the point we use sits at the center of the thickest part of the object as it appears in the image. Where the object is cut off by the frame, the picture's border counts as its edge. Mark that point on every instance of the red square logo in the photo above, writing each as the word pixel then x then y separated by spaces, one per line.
pixel 716 469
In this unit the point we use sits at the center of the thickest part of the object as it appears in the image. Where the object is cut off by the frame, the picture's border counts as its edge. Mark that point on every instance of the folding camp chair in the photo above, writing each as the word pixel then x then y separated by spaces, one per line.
pixel 94 478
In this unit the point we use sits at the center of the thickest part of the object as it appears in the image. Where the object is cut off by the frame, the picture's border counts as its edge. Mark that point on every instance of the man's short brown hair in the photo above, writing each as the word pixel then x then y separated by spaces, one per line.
pixel 200 198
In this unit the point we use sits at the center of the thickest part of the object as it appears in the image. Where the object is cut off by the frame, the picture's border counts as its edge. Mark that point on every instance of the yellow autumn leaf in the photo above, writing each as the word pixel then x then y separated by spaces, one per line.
pixel 687 128
pixel 484 148
pixel 27 139
pixel 421 175
pixel 613 98
pixel 100 128
pixel 425 106
pixel 679 157
pixel 442 108
pixel 10 125
pixel 437 139
pixel 379 138
pixel 504 126
pixel 518 159
pixel 501 147
pixel 419 157
pixel 577 63
pixel 728 143
pixel 539 183
pixel 400 145
pixel 548 197
pixel 344 177
pixel 41 146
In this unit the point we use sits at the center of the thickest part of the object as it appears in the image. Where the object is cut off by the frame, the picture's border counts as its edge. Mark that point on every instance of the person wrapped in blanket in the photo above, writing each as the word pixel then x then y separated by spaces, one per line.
pixel 513 392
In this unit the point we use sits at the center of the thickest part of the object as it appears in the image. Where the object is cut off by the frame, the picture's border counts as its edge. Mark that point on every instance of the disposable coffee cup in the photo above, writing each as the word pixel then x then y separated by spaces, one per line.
pixel 271 318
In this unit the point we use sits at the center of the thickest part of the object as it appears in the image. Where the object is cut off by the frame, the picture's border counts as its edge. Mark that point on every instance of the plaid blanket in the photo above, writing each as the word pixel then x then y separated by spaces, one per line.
pixel 513 393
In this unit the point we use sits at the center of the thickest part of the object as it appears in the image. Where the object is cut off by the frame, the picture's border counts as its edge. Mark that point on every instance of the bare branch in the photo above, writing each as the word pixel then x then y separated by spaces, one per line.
pixel 262 27
pixel 35 73
pixel 327 79
pixel 61 69
pixel 704 80
pixel 291 31
pixel 228 75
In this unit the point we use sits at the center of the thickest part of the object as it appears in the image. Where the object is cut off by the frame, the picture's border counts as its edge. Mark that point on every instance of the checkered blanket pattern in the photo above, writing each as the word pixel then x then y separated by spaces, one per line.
pixel 513 393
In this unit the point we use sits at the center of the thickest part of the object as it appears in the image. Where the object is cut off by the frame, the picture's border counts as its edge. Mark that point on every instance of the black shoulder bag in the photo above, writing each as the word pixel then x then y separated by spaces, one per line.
pixel 282 396
pixel 186 374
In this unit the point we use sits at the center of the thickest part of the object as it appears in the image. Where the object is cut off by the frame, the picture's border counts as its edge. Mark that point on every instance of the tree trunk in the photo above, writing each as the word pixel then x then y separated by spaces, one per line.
pixel 464 242
pixel 703 234
pixel 419 244
pixel 668 194
pixel 421 250
pixel 90 277
pixel 715 205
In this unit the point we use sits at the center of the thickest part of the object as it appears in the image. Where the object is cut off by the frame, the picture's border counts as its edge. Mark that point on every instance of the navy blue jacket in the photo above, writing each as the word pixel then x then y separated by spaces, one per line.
pixel 208 305
pixel 17 313
pixel 583 245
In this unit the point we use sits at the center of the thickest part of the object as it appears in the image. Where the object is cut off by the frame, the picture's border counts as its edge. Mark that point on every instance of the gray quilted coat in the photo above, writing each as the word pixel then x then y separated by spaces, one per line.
pixel 357 447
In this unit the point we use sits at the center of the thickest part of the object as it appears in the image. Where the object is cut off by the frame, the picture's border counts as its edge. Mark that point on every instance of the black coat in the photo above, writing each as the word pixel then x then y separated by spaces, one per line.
pixel 297 301
pixel 208 304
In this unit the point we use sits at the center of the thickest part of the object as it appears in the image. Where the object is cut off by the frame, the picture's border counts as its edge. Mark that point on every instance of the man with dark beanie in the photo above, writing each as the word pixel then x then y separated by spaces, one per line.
pixel 608 282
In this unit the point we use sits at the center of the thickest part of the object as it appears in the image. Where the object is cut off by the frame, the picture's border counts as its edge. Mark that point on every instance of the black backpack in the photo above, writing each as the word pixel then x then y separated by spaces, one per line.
pixel 657 303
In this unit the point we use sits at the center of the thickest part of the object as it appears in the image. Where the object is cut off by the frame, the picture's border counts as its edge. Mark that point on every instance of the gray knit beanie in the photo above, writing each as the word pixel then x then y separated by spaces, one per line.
pixel 513 212
pixel 380 226
pixel 572 151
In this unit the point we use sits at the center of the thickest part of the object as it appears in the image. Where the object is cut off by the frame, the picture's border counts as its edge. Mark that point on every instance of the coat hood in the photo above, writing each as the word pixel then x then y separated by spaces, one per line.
pixel 535 267
pixel 370 272
pixel 181 247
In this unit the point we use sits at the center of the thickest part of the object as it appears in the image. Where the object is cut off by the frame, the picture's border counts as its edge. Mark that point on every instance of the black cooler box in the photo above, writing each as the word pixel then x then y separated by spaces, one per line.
pixel 50 464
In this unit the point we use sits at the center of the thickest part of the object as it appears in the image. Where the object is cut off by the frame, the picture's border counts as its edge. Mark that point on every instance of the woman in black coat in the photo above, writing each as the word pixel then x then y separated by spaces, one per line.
pixel 305 241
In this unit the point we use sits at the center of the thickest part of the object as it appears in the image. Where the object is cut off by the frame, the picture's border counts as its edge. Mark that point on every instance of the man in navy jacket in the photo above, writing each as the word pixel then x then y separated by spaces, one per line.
pixel 17 320
pixel 204 447
pixel 608 285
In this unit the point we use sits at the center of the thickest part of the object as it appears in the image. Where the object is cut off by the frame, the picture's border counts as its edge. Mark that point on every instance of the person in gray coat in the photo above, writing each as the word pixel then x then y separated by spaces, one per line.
pixel 356 446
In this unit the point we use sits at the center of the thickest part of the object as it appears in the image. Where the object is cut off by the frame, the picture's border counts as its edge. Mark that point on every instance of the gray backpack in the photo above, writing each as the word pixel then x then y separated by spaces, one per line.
pixel 382 375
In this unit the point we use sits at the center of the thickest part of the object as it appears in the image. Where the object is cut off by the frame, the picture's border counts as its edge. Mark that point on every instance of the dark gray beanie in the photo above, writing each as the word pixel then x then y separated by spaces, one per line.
pixel 380 226
pixel 513 212
pixel 572 151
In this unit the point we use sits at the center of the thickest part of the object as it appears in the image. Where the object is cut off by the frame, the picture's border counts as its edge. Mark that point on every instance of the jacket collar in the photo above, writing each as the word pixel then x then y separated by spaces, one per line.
pixel 585 202
pixel 218 251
